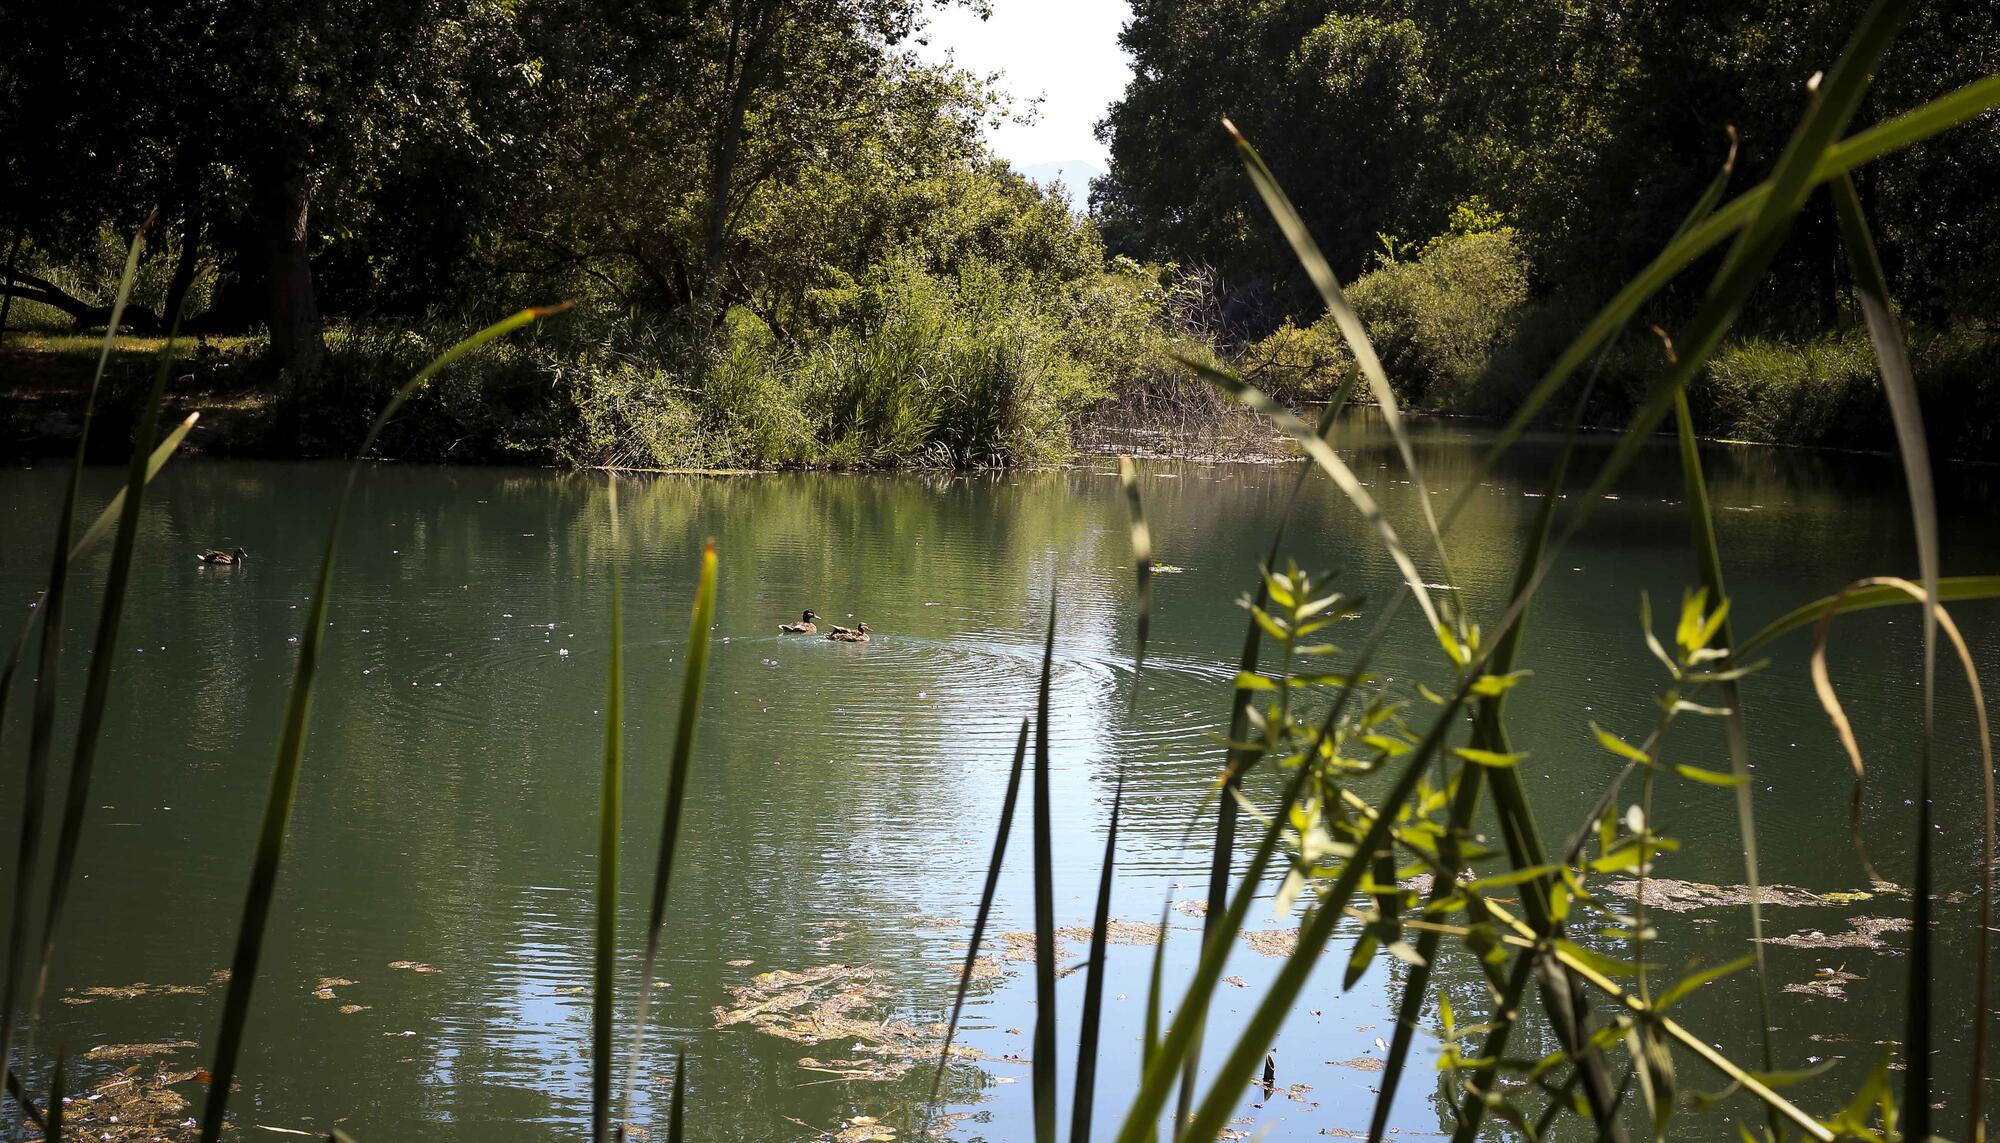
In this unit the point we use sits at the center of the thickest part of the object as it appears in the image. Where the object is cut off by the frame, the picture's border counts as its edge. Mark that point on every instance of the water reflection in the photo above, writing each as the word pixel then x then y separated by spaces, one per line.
pixel 846 794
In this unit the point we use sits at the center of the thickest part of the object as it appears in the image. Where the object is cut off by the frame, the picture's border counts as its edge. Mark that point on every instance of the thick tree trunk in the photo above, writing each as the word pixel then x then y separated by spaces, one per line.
pixel 7 297
pixel 183 279
pixel 296 340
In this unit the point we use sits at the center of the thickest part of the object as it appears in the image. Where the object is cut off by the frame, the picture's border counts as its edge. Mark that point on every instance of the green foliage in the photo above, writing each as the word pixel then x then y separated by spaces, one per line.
pixel 1827 390
pixel 1437 319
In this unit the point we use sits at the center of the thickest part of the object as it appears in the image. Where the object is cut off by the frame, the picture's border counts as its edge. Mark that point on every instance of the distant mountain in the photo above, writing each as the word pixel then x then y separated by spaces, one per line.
pixel 1075 174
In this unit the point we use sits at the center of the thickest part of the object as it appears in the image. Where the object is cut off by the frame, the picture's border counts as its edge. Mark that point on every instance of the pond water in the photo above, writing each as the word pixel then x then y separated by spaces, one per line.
pixel 846 796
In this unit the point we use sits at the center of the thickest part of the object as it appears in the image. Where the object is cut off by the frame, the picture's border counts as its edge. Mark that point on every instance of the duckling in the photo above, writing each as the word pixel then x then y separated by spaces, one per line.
pixel 804 626
pixel 217 556
pixel 855 634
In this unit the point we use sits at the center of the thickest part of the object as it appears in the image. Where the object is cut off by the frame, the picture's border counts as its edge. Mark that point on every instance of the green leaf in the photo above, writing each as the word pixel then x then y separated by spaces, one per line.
pixel 1489 757
pixel 1619 746
pixel 1710 777
pixel 1695 980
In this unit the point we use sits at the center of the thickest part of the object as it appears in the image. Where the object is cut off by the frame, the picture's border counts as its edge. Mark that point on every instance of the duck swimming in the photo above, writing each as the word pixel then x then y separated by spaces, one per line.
pixel 217 556
pixel 855 634
pixel 804 626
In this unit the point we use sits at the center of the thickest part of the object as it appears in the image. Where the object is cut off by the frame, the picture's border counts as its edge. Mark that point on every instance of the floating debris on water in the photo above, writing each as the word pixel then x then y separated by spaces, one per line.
pixel 136 1051
pixel 1116 932
pixel 836 1002
pixel 1830 982
pixel 416 966
pixel 1361 1064
pixel 1194 907
pixel 1671 896
pixel 129 1106
pixel 1272 942
pixel 99 992
pixel 1867 934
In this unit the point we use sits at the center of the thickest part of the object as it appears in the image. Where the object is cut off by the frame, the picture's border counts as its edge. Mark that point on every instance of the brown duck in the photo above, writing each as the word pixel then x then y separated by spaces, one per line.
pixel 218 556
pixel 855 634
pixel 804 626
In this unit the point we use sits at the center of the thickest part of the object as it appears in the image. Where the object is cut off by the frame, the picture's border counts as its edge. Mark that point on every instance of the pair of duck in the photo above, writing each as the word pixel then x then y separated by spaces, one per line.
pixel 805 626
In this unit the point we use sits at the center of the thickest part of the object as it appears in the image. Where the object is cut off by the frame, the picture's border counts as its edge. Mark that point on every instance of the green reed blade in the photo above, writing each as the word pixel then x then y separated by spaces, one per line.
pixel 610 812
pixel 1708 557
pixel 41 725
pixel 1872 291
pixel 986 894
pixel 57 1082
pixel 27 1105
pixel 676 1109
pixel 154 463
pixel 97 680
pixel 1142 562
pixel 292 744
pixel 1183 1037
pixel 1471 778
pixel 700 624
pixel 1349 323
pixel 1045 904
pixel 338 1136
pixel 1253 634
pixel 1329 461
pixel 1151 1042
pixel 1862 148
pixel 1093 984
pixel 1242 1060
pixel 1952 589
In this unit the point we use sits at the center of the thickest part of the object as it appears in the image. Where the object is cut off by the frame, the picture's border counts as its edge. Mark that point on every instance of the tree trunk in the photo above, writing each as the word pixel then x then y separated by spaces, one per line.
pixel 296 341
pixel 7 297
pixel 741 75
pixel 183 279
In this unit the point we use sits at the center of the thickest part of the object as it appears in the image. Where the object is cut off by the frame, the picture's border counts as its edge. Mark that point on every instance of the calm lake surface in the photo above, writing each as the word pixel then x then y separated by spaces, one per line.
pixel 846 796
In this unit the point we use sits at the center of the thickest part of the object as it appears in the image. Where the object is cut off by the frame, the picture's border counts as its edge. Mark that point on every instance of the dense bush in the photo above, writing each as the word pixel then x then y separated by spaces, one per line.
pixel 1827 391
pixel 1437 318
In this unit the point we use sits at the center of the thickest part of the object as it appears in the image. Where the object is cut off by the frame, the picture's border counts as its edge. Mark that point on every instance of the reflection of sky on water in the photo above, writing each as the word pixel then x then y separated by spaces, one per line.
pixel 845 798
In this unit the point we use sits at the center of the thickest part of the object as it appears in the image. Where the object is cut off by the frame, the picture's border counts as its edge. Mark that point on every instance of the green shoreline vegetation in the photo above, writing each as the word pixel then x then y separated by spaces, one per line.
pixel 788 246
pixel 1382 779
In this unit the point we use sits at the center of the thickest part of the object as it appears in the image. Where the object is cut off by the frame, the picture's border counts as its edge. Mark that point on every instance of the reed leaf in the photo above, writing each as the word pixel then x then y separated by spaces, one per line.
pixel 292 744
pixel 41 723
pixel 97 680
pixel 54 1131
pixel 1329 462
pixel 1345 319
pixel 163 452
pixel 1708 557
pixel 1045 904
pixel 1830 702
pixel 700 623
pixel 1862 148
pixel 985 912
pixel 1872 291
pixel 610 812
pixel 1951 589
pixel 677 1109
pixel 1142 563
pixel 1093 984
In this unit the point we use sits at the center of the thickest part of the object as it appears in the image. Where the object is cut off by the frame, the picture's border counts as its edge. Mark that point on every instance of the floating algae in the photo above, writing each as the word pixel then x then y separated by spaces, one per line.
pixel 1867 934
pixel 835 1003
pixel 136 1051
pixel 129 1106
pixel 99 992
pixel 1116 932
pixel 1829 982
pixel 1272 942
pixel 1671 896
